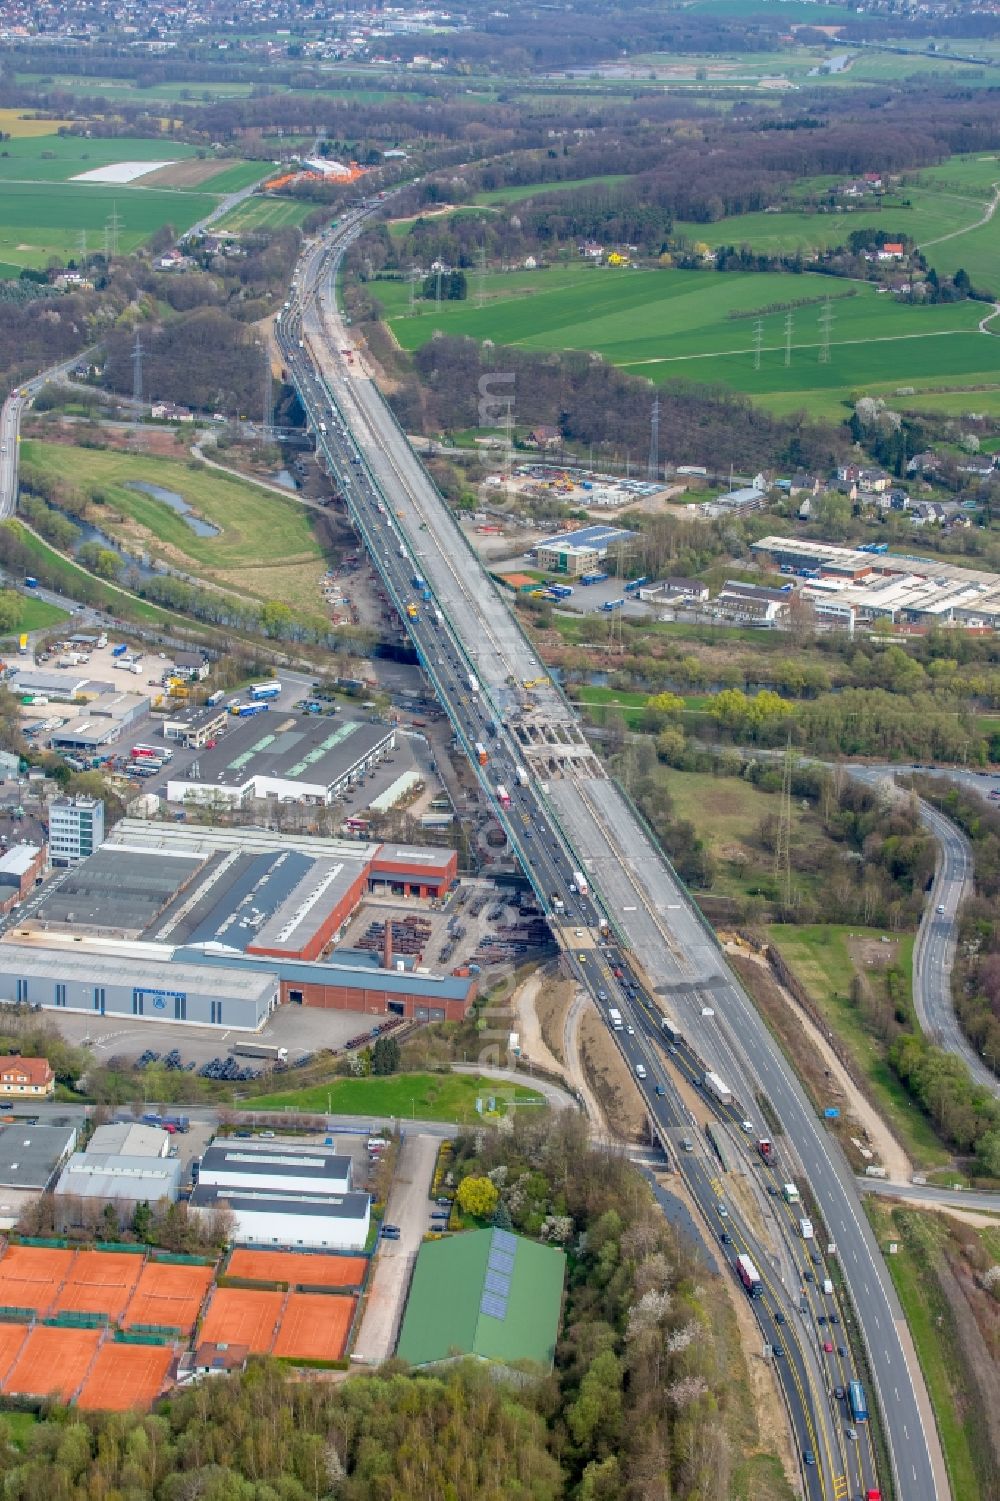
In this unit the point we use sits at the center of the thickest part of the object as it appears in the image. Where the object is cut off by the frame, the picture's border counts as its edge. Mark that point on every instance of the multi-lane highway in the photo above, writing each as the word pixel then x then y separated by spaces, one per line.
pixel 563 816
pixel 10 429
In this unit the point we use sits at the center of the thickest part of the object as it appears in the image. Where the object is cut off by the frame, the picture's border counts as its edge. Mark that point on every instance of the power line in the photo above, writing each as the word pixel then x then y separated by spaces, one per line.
pixel 113 226
pixel 654 439
pixel 825 325
pixel 137 369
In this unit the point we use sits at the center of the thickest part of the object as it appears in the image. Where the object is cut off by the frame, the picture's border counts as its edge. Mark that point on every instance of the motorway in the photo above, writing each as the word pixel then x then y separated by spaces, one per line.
pixel 10 429
pixel 562 816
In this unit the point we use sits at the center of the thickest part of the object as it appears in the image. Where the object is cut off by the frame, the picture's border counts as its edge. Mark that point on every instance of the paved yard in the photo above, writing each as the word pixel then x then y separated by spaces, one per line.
pixel 409 1208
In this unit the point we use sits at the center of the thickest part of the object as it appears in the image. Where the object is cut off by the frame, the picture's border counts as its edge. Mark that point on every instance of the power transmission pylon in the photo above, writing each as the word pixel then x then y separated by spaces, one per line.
pixel 413 287
pixel 654 439
pixel 112 229
pixel 758 341
pixel 783 837
pixel 825 325
pixel 267 398
pixel 137 369
pixel 481 281
pixel 81 245
pixel 789 321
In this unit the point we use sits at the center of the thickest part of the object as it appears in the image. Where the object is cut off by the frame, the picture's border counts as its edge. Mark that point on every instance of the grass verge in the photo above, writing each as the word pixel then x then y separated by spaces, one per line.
pixel 428 1097
pixel 820 957
pixel 37 615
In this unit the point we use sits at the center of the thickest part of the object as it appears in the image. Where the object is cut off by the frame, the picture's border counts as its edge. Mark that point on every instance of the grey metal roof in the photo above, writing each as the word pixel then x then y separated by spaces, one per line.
pixel 17 860
pixel 598 536
pixel 312 750
pixel 352 1206
pixel 118 889
pixel 30 1154
pixel 129 1139
pixel 425 855
pixel 64 685
pixel 272 1163
pixel 110 1175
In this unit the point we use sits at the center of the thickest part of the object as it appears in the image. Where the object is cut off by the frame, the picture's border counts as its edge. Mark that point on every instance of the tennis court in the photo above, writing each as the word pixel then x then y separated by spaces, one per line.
pixel 30 1275
pixel 168 1295
pixel 53 1362
pixel 315 1326
pixel 11 1340
pixel 239 1316
pixel 126 1376
pixel 298 1268
pixel 99 1282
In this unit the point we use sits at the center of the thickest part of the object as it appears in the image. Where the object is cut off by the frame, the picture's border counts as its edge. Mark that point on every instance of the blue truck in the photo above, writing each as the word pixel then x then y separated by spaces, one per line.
pixel 245 711
pixel 593 578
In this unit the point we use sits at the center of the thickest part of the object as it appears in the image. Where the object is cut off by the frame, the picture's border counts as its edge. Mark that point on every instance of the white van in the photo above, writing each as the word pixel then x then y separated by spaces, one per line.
pixel 640 1071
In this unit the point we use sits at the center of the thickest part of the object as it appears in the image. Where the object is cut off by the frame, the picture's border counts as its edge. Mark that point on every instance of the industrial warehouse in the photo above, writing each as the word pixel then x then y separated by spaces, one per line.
pixel 297 758
pixel 218 927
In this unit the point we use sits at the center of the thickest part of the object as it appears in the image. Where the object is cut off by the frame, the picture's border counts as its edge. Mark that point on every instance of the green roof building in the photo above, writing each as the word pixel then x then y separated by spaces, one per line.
pixel 485 1293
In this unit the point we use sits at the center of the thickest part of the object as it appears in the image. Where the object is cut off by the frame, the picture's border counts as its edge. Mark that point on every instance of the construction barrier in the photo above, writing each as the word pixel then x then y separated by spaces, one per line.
pixel 120 1245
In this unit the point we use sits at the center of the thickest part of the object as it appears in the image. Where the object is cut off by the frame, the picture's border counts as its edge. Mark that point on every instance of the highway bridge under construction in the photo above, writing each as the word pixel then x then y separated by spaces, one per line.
pixel 630 934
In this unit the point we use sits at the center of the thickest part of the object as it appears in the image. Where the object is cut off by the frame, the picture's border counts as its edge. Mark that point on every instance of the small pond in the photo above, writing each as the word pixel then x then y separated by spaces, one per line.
pixel 176 503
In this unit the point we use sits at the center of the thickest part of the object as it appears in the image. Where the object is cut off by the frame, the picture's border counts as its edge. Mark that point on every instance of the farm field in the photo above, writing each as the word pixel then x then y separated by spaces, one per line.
pixel 54 158
pixel 265 545
pixel 117 89
pixel 38 220
pixel 676 325
pixel 260 212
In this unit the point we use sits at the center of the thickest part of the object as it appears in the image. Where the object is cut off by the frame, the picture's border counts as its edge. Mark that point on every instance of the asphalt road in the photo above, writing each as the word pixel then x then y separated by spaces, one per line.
pixel 934 949
pixel 477 661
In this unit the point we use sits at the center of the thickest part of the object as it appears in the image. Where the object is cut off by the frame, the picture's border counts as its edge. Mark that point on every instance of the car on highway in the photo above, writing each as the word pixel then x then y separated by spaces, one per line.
pixel 842 1351
pixel 578 933
pixel 827 1347
pixel 838 1392
pixel 779 1317
pixel 821 1319
pixel 602 995
pixel 725 1238
pixel 582 958
pixel 808 1457
pixel 809 1276
pixel 777 1350
pixel 851 1433
pixel 640 1071
pixel 630 1030
pixel 723 1211
pixel 941 907
pixel 660 1091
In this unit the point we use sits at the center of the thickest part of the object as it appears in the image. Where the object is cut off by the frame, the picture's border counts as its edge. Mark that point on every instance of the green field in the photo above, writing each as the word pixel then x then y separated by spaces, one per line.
pixel 532 189
pixel 38 220
pixel 428 1097
pixel 265 545
pixel 821 960
pixel 261 212
pixel 37 615
pixel 57 158
pixel 667 325
pixel 118 90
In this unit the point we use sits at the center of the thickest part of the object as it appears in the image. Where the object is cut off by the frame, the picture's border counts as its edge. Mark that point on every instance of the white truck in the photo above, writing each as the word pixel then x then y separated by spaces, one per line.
pixel 579 883
pixel 522 776
pixel 790 1193
pixel 806 1226
pixel 716 1087
pixel 473 683
pixel 615 1017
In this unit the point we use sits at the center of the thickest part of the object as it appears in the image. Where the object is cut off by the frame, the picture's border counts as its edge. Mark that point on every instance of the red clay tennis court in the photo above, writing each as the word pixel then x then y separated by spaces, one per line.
pixel 239 1316
pixel 53 1362
pixel 298 1268
pixel 30 1275
pixel 315 1326
pixel 126 1376
pixel 169 1295
pixel 11 1340
pixel 99 1282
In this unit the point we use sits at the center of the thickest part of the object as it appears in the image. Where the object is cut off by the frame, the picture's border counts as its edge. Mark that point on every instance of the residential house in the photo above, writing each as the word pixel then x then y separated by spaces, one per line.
pixel 892 250
pixel 26 1078
pixel 874 481
pixel 168 411
pixel 591 250
pixel 543 436
pixel 802 483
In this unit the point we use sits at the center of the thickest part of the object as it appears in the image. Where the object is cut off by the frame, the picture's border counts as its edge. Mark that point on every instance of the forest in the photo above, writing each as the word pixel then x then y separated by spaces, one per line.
pixel 648 1396
pixel 594 403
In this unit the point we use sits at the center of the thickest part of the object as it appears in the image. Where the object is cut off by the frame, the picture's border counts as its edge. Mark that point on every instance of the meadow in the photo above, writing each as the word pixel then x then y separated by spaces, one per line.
pixel 260 212
pixel 668 325
pixel 39 220
pixel 55 158
pixel 428 1097
pixel 265 547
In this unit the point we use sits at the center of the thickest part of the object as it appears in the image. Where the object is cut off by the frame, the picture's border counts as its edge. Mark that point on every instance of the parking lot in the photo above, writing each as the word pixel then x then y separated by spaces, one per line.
pixel 301 1029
